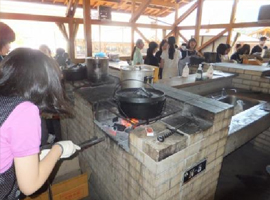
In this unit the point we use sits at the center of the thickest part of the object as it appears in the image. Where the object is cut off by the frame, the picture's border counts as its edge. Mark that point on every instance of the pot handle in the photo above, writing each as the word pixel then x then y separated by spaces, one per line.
pixel 120 84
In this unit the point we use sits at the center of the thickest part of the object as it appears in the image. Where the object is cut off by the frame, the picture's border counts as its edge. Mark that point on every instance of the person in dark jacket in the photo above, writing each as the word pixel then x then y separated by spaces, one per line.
pixel 7 36
pixel 244 50
pixel 150 58
pixel 162 47
pixel 260 47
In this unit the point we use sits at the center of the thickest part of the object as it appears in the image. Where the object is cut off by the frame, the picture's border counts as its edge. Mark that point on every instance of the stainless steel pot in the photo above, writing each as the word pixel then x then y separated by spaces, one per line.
pixel 97 68
pixel 137 76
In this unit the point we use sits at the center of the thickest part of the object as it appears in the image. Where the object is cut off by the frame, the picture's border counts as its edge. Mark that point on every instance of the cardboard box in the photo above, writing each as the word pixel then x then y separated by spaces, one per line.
pixel 72 189
pixel 69 183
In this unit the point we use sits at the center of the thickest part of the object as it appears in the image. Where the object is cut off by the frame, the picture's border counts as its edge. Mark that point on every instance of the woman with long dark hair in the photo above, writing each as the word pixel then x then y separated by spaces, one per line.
pixel 136 55
pixel 162 47
pixel 170 59
pixel 238 56
pixel 150 58
pixel 30 83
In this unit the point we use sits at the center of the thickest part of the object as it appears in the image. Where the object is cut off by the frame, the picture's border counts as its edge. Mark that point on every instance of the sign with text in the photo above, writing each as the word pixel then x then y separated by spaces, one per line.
pixel 194 171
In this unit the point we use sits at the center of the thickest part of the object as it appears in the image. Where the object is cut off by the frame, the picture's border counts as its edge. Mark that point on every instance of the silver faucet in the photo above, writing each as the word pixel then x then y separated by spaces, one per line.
pixel 223 92
pixel 235 91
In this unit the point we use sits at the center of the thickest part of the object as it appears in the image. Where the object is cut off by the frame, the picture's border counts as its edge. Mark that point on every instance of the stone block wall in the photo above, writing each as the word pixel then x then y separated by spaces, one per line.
pixel 247 79
pixel 262 142
pixel 119 175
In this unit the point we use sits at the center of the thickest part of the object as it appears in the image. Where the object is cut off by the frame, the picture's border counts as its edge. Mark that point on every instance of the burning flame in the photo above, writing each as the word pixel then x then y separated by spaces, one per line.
pixel 130 123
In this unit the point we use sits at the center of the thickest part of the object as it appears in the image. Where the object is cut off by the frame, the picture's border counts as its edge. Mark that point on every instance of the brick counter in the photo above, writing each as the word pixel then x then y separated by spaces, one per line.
pixel 119 175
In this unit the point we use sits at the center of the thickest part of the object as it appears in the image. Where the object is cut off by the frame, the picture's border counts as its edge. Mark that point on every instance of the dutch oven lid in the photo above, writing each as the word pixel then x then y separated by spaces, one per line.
pixel 140 95
pixel 137 68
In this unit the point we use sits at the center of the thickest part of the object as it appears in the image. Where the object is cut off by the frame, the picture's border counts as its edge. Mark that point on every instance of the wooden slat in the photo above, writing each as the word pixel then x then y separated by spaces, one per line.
pixel 63 30
pixel 183 37
pixel 141 34
pixel 213 39
pixel 87 27
pixel 139 11
pixel 198 20
pixel 71 41
pixel 186 14
pixel 182 17
pixel 232 20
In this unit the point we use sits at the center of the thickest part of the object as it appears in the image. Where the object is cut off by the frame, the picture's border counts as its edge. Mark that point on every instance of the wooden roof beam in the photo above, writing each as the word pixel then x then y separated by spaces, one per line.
pixel 183 37
pixel 213 39
pixel 135 16
pixel 232 20
pixel 141 34
pixel 198 20
pixel 71 8
pixel 182 18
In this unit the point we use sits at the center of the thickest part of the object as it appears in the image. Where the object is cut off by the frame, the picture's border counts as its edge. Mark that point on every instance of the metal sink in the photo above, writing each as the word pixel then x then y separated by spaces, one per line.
pixel 232 100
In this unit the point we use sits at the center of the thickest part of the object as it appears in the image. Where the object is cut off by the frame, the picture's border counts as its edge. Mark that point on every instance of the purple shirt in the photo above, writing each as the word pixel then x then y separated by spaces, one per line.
pixel 20 134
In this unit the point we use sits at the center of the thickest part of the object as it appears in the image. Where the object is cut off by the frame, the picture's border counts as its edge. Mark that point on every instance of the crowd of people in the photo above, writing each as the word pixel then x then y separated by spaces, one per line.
pixel 166 55
pixel 170 59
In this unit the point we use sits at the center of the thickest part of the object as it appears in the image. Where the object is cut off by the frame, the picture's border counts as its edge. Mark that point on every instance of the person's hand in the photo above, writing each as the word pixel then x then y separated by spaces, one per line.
pixel 68 148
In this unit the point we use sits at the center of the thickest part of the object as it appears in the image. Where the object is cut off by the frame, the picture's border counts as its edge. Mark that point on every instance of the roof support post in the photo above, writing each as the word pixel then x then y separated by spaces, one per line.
pixel 87 27
pixel 198 20
pixel 232 20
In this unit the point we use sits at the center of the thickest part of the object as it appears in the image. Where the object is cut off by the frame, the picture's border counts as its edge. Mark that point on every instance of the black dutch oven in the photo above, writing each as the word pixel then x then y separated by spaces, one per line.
pixel 75 73
pixel 140 103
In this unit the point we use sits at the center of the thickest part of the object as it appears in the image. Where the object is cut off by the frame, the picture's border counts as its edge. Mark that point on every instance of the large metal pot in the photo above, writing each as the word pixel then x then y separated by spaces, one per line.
pixel 140 103
pixel 97 69
pixel 137 76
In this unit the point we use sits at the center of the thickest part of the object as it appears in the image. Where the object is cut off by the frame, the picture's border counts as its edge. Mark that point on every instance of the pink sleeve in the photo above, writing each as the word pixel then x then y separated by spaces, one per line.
pixel 26 131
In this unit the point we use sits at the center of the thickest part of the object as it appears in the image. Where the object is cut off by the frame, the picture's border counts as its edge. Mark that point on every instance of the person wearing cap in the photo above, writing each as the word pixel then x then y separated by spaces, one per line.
pixel 7 36
pixel 260 47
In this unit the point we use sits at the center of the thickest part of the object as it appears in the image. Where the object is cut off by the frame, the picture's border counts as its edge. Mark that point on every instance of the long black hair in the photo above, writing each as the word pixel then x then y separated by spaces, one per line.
pixel 32 75
pixel 171 41
pixel 164 41
pixel 7 35
pixel 221 49
pixel 245 49
pixel 152 47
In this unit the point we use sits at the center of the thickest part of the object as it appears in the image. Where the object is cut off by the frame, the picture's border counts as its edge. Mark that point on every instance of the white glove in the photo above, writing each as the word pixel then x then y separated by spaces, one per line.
pixel 43 153
pixel 68 148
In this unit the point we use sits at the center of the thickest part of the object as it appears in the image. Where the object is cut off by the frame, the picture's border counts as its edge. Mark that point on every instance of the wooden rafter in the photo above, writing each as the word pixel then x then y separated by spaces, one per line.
pixel 71 8
pixel 139 11
pixel 182 18
pixel 213 39
pixel 183 37
pixel 232 20
pixel 141 34
pixel 186 14
pixel 63 30
pixel 198 20
pixel 87 27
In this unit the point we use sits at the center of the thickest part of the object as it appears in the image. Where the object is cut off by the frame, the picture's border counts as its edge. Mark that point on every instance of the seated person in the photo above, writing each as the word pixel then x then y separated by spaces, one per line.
pixel 238 56
pixel 221 52
pixel 260 47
